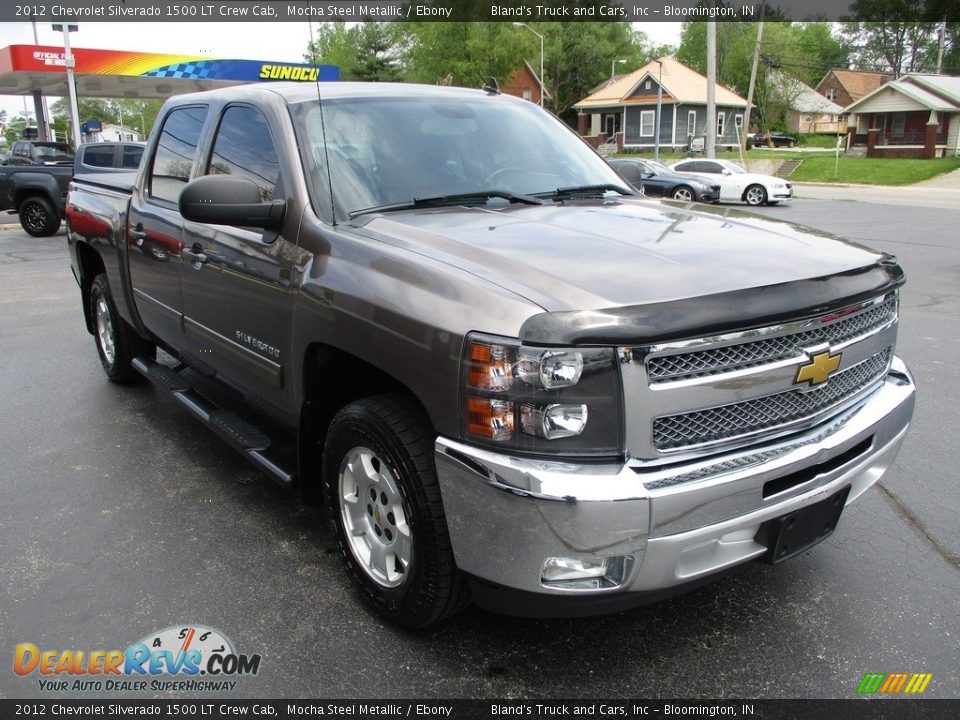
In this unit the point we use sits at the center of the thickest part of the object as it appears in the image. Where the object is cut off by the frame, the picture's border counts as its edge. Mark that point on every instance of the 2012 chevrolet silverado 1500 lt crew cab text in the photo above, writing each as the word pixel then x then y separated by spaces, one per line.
pixel 506 375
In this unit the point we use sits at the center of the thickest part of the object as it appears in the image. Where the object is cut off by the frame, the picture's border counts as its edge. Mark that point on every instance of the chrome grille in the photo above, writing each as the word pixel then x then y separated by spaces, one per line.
pixel 714 361
pixel 744 418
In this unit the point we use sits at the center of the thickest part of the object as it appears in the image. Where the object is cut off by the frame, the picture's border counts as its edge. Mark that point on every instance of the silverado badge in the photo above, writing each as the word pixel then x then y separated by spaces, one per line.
pixel 819 368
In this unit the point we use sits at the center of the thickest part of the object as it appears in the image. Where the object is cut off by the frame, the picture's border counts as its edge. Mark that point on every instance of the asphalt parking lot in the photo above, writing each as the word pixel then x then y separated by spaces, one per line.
pixel 121 516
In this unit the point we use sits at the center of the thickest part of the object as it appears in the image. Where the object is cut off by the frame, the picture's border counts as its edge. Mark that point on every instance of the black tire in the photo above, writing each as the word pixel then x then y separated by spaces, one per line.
pixel 755 195
pixel 398 441
pixel 117 343
pixel 38 217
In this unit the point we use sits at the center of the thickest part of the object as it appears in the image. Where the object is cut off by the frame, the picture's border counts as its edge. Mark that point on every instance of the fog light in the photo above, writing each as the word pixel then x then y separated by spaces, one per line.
pixel 553 421
pixel 584 574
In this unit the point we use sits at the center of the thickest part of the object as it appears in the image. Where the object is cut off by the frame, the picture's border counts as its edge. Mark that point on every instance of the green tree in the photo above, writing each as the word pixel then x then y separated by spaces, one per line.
pixel 363 51
pixel 899 36
pixel 465 54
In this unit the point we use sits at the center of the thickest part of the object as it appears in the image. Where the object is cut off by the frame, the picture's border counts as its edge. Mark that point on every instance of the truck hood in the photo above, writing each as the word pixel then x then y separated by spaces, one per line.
pixel 624 253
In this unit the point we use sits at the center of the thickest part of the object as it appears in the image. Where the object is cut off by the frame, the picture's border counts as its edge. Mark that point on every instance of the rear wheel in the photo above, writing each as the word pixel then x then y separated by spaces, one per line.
pixel 383 503
pixel 38 217
pixel 755 195
pixel 117 343
pixel 682 193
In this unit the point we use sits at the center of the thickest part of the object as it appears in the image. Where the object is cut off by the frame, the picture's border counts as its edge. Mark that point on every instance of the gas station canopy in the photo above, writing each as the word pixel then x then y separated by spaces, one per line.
pixel 29 69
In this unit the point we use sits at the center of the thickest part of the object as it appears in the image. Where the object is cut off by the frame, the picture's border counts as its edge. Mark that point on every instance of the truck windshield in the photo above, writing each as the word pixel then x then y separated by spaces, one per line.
pixel 54 153
pixel 387 151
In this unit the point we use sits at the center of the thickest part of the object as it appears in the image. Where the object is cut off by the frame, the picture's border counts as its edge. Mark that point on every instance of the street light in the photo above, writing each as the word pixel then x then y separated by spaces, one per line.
pixel 524 25
pixel 71 88
pixel 613 64
pixel 656 139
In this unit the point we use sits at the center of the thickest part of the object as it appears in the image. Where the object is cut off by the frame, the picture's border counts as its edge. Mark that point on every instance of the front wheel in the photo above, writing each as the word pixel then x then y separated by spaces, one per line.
pixel 383 502
pixel 755 195
pixel 38 217
pixel 682 193
pixel 117 343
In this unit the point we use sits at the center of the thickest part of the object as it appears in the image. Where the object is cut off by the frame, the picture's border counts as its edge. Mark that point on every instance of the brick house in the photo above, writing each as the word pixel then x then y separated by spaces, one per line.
pixel 844 87
pixel 917 115
pixel 524 83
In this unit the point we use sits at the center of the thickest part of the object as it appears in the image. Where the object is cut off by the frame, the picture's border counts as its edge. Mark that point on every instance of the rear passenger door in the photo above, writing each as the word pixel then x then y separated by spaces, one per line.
pixel 238 282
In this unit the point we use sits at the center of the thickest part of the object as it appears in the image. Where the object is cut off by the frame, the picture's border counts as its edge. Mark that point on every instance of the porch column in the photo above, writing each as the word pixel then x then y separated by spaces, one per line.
pixel 873 134
pixel 583 124
pixel 930 140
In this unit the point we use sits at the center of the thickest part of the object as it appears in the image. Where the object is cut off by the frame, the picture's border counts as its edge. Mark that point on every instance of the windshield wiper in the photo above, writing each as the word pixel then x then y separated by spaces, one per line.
pixel 586 191
pixel 458 199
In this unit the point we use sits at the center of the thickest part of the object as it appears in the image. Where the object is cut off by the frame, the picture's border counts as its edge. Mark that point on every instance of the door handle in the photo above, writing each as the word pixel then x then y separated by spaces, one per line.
pixel 138 233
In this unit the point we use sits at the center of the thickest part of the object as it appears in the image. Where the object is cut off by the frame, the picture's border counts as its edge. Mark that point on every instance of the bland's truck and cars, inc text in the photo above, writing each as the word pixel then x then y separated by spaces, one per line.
pixel 508 376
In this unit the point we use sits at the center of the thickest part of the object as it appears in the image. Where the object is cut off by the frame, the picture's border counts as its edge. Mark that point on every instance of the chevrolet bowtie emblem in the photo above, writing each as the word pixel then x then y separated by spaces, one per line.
pixel 819 368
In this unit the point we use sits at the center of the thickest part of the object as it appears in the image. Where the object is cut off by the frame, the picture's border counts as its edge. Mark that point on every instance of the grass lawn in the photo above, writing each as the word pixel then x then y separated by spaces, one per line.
pixel 871 171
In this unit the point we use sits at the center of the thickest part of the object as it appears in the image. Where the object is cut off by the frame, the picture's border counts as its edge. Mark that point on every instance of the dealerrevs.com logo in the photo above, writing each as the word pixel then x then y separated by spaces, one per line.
pixel 894 683
pixel 197 658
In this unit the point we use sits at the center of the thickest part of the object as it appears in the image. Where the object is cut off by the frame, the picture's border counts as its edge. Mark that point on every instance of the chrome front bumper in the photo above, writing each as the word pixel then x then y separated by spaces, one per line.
pixel 672 526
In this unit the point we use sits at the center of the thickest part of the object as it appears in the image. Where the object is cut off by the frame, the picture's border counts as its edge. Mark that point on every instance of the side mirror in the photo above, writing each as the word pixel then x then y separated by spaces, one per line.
pixel 646 175
pixel 726 171
pixel 229 200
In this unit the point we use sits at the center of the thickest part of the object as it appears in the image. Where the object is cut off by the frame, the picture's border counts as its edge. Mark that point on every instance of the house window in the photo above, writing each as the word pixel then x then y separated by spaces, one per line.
pixel 646 123
pixel 899 122
pixel 720 118
pixel 831 93
pixel 527 94
pixel 738 119
pixel 862 125
pixel 691 122
pixel 646 85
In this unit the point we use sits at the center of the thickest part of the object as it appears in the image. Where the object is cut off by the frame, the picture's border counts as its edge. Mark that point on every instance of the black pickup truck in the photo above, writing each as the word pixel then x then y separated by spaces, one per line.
pixel 34 180
pixel 506 375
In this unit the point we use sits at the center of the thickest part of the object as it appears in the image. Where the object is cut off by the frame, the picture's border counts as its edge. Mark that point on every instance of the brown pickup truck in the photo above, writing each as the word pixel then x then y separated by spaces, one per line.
pixel 506 375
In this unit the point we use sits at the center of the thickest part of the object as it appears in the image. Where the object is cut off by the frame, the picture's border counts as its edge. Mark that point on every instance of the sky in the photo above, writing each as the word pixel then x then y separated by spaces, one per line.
pixel 281 41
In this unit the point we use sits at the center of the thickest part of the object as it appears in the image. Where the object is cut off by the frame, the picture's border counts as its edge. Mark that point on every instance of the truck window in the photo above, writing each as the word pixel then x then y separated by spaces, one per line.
pixel 98 156
pixel 131 156
pixel 243 147
pixel 175 152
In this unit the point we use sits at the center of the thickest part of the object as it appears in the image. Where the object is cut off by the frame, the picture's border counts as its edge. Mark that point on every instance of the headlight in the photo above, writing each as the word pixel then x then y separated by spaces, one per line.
pixel 541 400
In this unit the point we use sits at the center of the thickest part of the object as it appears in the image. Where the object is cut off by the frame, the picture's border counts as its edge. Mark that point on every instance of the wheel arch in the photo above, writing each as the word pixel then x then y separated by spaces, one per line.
pixel 333 378
pixel 89 265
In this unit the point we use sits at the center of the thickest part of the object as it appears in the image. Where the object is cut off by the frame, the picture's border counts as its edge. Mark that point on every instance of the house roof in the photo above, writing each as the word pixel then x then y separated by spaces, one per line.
pixel 945 85
pixel 802 98
pixel 536 78
pixel 857 83
pixel 915 88
pixel 680 84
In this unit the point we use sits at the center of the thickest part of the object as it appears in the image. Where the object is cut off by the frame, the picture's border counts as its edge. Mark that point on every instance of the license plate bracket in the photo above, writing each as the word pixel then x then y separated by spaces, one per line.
pixel 789 535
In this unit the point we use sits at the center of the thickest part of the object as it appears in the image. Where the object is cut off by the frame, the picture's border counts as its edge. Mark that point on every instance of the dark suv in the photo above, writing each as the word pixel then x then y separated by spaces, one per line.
pixel 29 152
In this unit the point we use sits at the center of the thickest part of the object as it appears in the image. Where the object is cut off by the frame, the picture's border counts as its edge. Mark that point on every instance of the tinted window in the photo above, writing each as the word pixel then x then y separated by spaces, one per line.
pixel 710 167
pixel 243 147
pixel 131 156
pixel 630 171
pixel 98 157
pixel 175 152
pixel 686 167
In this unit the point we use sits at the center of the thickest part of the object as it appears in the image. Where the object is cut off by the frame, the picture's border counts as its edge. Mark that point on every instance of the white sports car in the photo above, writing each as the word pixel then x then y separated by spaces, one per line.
pixel 736 184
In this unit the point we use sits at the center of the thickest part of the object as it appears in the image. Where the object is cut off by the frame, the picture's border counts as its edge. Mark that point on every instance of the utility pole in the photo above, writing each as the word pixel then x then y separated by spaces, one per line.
pixel 753 78
pixel 710 146
pixel 943 32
